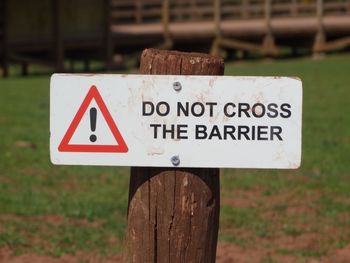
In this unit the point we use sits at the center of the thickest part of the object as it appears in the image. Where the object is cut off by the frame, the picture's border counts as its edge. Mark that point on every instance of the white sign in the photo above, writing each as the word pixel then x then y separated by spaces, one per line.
pixel 183 121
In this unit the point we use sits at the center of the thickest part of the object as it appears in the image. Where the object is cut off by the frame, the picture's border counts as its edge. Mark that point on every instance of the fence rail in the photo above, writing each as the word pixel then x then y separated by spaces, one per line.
pixel 219 18
pixel 150 11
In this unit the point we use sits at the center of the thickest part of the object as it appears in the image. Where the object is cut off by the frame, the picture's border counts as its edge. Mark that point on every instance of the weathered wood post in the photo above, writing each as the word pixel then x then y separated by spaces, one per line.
pixel 294 8
pixel 165 16
pixel 194 10
pixel 215 49
pixel 269 47
pixel 3 39
pixel 57 36
pixel 138 12
pixel 244 9
pixel 173 214
pixel 320 37
pixel 108 37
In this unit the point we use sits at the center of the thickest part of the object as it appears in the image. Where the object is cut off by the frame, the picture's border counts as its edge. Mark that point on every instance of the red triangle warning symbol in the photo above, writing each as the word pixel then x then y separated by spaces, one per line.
pixel 65 145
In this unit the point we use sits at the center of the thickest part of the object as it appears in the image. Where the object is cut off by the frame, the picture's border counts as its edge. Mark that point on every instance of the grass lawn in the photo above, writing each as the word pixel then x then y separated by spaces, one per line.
pixel 55 210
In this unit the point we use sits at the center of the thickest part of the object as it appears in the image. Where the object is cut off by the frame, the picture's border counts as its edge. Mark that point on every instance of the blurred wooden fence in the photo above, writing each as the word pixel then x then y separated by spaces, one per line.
pixel 51 32
pixel 147 11
pixel 95 29
pixel 250 25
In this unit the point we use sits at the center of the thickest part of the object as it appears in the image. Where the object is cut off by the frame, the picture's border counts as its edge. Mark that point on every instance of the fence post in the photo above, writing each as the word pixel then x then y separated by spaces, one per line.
pixel 269 47
pixel 57 36
pixel 194 11
pixel 138 12
pixel 320 37
pixel 245 9
pixel 3 43
pixel 109 45
pixel 215 49
pixel 173 213
pixel 166 21
pixel 294 8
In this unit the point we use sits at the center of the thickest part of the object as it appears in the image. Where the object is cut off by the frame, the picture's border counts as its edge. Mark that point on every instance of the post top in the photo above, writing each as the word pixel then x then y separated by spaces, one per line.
pixel 165 62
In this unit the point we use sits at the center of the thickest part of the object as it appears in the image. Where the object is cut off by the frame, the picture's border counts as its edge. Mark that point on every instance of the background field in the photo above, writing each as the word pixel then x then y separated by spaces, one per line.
pixel 266 215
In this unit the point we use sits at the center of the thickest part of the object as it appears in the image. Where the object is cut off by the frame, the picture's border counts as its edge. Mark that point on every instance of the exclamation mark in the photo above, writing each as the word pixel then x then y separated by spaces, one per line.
pixel 93 118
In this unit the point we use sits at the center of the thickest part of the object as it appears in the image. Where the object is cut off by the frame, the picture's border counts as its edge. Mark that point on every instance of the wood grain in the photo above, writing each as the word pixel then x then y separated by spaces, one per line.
pixel 173 213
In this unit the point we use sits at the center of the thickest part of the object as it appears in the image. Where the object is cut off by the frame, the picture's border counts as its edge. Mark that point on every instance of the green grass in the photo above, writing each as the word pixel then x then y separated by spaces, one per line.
pixel 31 186
pixel 92 201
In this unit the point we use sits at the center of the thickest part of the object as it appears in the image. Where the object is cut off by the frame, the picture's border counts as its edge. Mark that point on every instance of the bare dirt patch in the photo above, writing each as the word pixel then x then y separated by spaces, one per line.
pixel 341 255
pixel 295 230
pixel 242 198
pixel 24 144
pixel 226 253
pixel 6 256
pixel 51 219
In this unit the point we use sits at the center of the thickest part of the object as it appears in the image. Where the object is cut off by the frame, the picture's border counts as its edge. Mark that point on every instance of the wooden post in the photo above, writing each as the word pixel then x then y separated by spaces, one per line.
pixel 215 49
pixel 24 68
pixel 269 47
pixel 244 9
pixel 173 213
pixel 267 12
pixel 320 11
pixel 109 47
pixel 138 12
pixel 320 37
pixel 294 8
pixel 57 36
pixel 166 21
pixel 195 15
pixel 3 41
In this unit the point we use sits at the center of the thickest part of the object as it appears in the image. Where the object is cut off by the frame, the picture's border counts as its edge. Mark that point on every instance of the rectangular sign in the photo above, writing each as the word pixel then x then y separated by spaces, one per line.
pixel 176 121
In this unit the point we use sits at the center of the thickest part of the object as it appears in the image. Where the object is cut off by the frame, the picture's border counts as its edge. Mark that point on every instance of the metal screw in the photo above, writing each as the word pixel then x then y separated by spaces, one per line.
pixel 177 86
pixel 175 160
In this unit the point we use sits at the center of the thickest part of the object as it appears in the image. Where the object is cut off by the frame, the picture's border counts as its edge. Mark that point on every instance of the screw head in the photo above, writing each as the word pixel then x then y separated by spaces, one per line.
pixel 175 160
pixel 177 86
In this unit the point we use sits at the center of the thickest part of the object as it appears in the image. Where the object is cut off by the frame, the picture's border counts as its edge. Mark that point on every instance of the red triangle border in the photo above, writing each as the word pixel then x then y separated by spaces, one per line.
pixel 64 146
